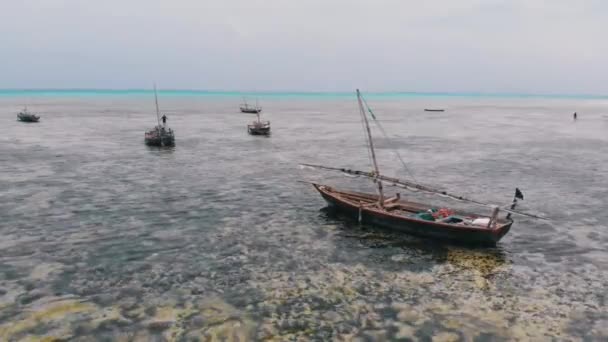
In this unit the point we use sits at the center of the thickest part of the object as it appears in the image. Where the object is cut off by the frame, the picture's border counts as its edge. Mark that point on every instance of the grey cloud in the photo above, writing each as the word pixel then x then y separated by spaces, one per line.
pixel 471 45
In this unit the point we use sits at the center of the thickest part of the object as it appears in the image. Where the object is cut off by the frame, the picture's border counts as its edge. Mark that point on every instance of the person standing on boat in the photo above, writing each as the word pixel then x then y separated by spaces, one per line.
pixel 164 118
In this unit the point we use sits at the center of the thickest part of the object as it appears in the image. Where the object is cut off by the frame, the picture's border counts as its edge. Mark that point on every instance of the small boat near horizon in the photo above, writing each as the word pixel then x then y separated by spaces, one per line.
pixel 160 135
pixel 259 127
pixel 423 220
pixel 434 110
pixel 26 116
pixel 246 108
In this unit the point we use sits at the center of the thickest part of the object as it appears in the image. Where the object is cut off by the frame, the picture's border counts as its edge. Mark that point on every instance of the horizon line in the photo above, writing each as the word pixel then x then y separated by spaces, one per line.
pixel 307 92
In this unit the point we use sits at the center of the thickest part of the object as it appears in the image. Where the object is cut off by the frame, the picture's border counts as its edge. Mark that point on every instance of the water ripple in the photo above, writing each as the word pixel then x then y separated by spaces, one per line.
pixel 106 238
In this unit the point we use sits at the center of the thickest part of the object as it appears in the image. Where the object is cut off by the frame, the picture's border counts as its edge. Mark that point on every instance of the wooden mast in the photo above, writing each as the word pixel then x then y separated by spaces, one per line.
pixel 156 101
pixel 160 136
pixel 373 153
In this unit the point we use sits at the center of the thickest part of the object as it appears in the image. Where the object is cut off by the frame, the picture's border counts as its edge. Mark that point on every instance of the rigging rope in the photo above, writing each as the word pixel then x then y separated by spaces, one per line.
pixel 409 172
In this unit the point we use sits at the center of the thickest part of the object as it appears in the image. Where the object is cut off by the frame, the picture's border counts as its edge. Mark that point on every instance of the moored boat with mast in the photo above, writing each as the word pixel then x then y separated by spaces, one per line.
pixel 246 108
pixel 411 217
pixel 161 135
pixel 259 127
pixel 27 116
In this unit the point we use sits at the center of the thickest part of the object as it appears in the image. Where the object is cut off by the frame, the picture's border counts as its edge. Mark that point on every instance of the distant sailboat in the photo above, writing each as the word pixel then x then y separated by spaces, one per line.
pixel 26 116
pixel 246 108
pixel 259 127
pixel 415 218
pixel 161 135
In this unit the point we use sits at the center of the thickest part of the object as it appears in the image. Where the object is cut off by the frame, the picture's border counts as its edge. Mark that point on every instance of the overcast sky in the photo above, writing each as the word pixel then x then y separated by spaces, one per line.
pixel 523 46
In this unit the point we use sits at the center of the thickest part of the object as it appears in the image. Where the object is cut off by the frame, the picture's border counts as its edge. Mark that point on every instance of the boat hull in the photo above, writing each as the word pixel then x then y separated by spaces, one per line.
pixel 259 130
pixel 159 138
pixel 427 229
pixel 158 143
pixel 28 118
pixel 251 111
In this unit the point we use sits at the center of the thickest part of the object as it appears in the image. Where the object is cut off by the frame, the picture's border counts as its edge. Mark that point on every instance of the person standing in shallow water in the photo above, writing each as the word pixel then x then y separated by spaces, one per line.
pixel 164 118
pixel 574 115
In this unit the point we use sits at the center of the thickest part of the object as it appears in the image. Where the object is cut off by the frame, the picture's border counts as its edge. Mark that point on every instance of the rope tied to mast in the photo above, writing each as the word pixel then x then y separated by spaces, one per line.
pixel 383 131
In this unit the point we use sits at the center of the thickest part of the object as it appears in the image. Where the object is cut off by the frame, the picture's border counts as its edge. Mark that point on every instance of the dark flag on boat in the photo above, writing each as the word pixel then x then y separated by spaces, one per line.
pixel 519 194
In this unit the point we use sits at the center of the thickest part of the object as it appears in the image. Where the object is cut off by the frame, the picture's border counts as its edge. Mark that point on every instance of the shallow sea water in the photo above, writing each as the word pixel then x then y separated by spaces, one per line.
pixel 104 238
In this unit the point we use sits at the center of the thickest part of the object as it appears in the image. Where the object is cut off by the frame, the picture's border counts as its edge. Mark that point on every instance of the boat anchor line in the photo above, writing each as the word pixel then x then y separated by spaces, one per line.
pixel 413 187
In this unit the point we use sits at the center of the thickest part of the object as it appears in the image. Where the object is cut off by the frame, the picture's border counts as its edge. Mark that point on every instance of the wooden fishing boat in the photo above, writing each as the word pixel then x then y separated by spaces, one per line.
pixel 434 110
pixel 414 218
pixel 259 127
pixel 250 110
pixel 26 116
pixel 160 135
pixel 246 108
pixel 403 216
